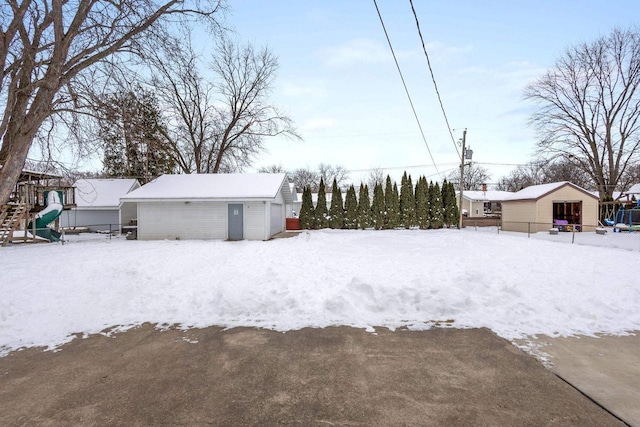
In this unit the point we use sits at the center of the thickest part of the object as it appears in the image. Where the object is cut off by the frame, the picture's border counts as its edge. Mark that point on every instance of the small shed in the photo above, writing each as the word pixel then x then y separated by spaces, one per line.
pixel 541 207
pixel 478 204
pixel 97 204
pixel 212 206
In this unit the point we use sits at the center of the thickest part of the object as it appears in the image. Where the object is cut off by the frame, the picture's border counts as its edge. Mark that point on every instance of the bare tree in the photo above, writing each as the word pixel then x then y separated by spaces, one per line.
pixel 542 171
pixel 273 169
pixel 217 125
pixel 589 106
pixel 376 176
pixel 304 177
pixel 565 170
pixel 44 44
pixel 474 177
pixel 330 172
pixel 245 78
pixel 630 177
pixel 189 113
pixel 523 176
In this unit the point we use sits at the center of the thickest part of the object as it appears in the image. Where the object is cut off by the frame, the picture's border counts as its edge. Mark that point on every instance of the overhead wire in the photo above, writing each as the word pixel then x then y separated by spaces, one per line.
pixel 433 78
pixel 405 87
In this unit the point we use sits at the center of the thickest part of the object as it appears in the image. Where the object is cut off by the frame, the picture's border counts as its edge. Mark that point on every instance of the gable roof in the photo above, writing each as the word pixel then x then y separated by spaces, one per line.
pixel 102 193
pixel 535 192
pixel 489 196
pixel 226 186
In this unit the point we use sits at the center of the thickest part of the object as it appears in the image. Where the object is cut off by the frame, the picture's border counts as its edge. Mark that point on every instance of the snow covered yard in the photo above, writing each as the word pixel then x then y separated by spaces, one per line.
pixel 511 284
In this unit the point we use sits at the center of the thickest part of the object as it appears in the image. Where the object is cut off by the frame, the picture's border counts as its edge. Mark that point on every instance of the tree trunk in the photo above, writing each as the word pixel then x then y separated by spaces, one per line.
pixel 15 148
pixel 16 142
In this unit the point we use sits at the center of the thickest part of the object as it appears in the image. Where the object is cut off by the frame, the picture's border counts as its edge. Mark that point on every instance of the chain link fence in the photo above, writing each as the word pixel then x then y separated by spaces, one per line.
pixel 570 233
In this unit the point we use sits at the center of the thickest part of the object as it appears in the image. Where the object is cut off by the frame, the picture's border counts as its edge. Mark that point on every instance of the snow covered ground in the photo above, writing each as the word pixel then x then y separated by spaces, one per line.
pixel 514 285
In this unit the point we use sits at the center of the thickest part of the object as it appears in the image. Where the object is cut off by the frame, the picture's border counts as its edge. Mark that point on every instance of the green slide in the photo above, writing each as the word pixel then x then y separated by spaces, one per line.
pixel 45 217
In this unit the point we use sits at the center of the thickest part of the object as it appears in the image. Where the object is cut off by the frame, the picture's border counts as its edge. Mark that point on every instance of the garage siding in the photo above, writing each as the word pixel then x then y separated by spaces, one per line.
pixel 517 214
pixel 184 220
pixel 276 219
pixel 254 221
pixel 589 206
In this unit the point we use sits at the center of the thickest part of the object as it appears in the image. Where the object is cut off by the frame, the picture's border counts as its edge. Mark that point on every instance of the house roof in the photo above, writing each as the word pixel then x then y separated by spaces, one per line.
pixel 232 186
pixel 488 196
pixel 536 192
pixel 102 193
pixel 635 189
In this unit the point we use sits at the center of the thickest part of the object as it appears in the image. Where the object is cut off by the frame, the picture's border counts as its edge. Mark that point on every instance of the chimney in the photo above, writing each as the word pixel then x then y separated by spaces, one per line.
pixel 484 188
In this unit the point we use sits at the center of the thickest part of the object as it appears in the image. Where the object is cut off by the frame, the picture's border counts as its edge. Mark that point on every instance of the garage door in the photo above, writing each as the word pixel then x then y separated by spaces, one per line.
pixel 276 219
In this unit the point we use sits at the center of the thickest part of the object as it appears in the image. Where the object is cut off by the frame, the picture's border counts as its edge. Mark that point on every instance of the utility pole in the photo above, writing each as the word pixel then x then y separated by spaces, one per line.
pixel 462 159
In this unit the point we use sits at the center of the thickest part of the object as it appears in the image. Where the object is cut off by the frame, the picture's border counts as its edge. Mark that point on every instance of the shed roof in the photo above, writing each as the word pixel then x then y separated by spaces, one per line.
pixel 102 193
pixel 232 186
pixel 536 192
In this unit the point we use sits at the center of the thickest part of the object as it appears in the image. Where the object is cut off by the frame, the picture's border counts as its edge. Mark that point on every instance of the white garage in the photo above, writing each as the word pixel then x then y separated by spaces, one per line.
pixel 211 206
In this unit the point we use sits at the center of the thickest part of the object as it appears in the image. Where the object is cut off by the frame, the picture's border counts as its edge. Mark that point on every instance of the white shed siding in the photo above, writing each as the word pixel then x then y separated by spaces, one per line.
pixel 184 220
pixel 94 219
pixel 254 221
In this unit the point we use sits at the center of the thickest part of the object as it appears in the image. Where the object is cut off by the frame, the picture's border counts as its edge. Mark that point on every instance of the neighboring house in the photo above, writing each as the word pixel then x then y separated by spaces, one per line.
pixel 482 203
pixel 540 207
pixel 97 204
pixel 211 206
pixel 632 193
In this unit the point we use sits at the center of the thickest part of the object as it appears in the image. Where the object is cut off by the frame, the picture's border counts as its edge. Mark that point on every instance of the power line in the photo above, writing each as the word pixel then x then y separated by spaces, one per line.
pixel 415 15
pixel 399 167
pixel 405 86
pixel 500 164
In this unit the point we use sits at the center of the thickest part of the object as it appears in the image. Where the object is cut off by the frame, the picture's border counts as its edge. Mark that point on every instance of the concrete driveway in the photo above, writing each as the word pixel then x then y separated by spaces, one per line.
pixel 605 368
pixel 310 377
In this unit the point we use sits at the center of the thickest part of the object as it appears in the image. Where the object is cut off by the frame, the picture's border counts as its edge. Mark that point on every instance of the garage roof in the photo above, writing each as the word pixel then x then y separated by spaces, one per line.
pixel 536 192
pixel 232 186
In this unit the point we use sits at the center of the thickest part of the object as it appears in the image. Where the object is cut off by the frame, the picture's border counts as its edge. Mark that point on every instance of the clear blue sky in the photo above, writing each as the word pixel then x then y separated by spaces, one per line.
pixel 338 82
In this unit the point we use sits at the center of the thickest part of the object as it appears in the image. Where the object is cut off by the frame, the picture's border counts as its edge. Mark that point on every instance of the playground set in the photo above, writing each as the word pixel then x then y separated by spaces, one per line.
pixel 626 219
pixel 32 213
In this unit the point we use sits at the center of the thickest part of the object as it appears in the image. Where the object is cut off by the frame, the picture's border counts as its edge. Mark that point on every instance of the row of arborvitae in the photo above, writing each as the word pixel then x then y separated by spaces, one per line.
pixel 424 206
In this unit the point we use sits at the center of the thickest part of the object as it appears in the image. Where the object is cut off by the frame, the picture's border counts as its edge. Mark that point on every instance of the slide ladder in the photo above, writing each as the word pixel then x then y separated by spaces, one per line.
pixel 10 218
